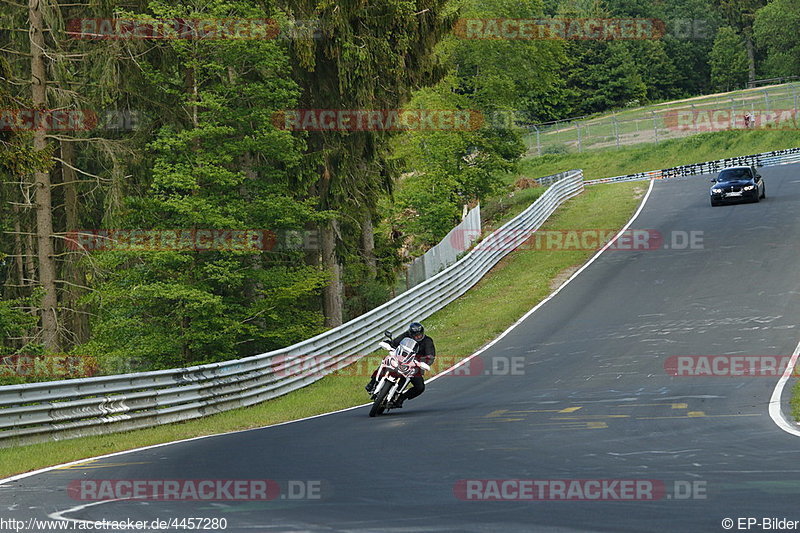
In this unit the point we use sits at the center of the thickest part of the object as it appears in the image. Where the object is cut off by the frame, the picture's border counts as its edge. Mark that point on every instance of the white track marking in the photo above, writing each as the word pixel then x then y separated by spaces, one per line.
pixel 59 515
pixel 463 361
pixel 73 463
pixel 540 304
pixel 775 410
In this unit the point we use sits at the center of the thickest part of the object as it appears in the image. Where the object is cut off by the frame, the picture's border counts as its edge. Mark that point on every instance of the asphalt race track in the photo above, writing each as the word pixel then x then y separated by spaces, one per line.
pixel 592 400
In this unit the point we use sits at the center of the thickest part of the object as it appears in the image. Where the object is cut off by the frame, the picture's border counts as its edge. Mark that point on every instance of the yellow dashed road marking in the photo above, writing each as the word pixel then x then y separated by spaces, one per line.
pixel 587 416
pixel 672 405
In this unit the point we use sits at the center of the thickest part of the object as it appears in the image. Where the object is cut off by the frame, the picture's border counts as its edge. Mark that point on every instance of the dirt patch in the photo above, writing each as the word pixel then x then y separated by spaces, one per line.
pixel 525 183
pixel 562 277
pixel 638 192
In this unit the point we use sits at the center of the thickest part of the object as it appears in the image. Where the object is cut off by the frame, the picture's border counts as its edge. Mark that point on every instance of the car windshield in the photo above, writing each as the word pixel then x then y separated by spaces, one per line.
pixel 734 174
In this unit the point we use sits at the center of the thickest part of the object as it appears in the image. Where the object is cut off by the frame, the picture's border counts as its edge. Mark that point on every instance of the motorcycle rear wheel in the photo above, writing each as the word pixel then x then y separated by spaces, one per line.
pixel 378 406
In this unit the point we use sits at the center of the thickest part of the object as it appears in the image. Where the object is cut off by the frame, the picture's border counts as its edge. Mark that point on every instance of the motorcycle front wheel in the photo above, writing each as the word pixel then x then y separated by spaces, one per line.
pixel 378 406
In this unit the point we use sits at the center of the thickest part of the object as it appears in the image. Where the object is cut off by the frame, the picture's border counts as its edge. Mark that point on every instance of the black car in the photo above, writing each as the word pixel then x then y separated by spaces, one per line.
pixel 736 184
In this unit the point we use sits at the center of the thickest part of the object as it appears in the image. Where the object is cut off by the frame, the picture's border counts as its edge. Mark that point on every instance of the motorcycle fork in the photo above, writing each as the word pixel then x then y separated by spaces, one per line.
pixel 399 385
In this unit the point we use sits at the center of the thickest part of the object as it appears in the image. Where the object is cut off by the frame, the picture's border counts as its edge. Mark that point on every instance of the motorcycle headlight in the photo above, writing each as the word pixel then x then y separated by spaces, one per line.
pixel 748 187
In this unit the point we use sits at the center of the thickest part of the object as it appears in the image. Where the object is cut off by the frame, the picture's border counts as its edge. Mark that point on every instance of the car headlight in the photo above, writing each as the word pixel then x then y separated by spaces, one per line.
pixel 716 191
pixel 748 187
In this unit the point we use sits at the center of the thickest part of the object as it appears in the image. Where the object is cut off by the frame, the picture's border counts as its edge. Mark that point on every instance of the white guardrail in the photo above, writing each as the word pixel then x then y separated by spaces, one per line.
pixel 766 159
pixel 56 410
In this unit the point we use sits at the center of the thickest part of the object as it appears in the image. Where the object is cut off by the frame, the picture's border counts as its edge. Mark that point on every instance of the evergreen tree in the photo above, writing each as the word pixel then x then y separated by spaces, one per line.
pixel 728 60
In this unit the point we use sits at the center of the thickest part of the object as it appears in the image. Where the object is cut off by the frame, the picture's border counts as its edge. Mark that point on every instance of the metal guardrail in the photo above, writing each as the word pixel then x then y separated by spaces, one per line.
pixel 446 252
pixel 549 180
pixel 765 159
pixel 58 410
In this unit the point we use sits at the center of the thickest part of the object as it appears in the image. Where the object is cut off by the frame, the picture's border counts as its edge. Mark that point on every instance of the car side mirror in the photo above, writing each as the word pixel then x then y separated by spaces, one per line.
pixel 758 177
pixel 387 334
pixel 713 180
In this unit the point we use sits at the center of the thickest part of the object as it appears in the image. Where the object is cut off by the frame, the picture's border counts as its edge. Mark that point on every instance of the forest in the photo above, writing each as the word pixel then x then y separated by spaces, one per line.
pixel 167 200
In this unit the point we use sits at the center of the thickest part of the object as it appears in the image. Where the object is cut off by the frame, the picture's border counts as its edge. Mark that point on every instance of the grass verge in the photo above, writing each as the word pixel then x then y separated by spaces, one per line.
pixel 459 330
pixel 609 162
pixel 794 401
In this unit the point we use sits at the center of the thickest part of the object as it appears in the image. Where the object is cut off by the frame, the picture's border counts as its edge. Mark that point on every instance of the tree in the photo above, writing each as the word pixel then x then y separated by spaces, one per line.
pixel 504 81
pixel 370 56
pixel 657 69
pixel 215 161
pixel 18 160
pixel 451 168
pixel 740 15
pixel 52 71
pixel 775 31
pixel 605 76
pixel 42 183
pixel 728 60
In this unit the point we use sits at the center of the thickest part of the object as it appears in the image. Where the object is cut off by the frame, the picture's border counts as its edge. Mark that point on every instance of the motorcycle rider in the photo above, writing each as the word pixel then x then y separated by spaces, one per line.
pixel 426 352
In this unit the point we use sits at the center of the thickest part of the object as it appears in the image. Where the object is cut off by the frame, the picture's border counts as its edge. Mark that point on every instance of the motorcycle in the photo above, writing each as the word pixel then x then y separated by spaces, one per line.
pixel 394 374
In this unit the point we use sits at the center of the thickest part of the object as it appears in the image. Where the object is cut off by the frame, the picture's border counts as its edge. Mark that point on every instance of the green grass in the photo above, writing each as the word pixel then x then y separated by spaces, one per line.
pixel 486 310
pixel 506 206
pixel 610 162
pixel 794 401
pixel 459 330
pixel 636 125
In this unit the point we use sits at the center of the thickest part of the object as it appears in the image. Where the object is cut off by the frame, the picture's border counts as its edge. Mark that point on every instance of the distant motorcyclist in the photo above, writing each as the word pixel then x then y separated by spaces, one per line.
pixel 426 352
